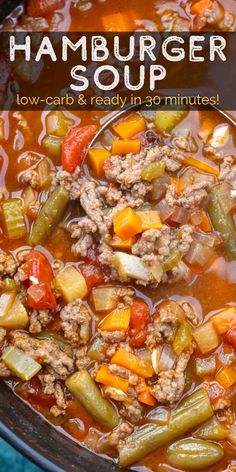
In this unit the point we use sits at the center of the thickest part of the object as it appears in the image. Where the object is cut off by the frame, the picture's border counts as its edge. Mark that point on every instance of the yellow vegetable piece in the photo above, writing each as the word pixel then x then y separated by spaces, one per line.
pixel 127 223
pixel 105 298
pixel 118 243
pixel 132 146
pixel 134 363
pixel 150 219
pixel 131 126
pixel 6 302
pixel 96 159
pixel 226 377
pixel 116 321
pixel 106 377
pixel 206 337
pixel 71 283
pixel 16 317
pixel 203 164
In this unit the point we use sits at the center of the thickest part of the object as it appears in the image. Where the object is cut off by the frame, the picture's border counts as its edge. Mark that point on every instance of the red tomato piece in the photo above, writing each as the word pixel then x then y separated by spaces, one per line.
pixel 93 274
pixel 38 267
pixel 41 297
pixel 43 7
pixel 138 322
pixel 75 144
pixel 230 337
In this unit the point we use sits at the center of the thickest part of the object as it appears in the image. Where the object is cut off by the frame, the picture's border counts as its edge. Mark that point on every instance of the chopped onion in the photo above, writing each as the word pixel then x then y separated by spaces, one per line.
pixel 209 240
pixel 170 309
pixel 180 215
pixel 193 177
pixel 184 273
pixel 159 187
pixel 36 292
pixel 167 358
pixel 219 136
pixel 44 173
pixel 157 271
pixel 129 266
pixel 227 358
pixel 196 217
pixel 199 254
pixel 105 298
pixel 156 353
pixel 164 209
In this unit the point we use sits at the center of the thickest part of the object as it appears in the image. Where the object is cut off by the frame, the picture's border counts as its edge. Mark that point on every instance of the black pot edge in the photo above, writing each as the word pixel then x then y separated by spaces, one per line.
pixel 11 438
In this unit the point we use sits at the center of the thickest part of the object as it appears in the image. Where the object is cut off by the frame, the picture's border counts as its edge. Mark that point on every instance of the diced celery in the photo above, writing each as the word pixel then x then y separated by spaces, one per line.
pixel 153 171
pixel 95 351
pixel 212 429
pixel 166 120
pixel 52 144
pixel 29 197
pixel 71 283
pixel 171 262
pixel 183 338
pixel 205 367
pixel 129 266
pixel 20 364
pixel 206 337
pixel 44 173
pixel 14 316
pixel 57 123
pixel 14 219
pixel 105 298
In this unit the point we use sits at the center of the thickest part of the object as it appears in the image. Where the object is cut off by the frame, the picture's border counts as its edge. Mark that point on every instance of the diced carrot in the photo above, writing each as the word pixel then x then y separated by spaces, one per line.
pixel 106 377
pixel 96 159
pixel 117 22
pixel 204 224
pixel 203 164
pixel 131 126
pixel 198 7
pixel 225 320
pixel 127 223
pixel 125 147
pixel 150 219
pixel 226 377
pixel 118 243
pixel 206 129
pixel 132 362
pixel 147 398
pixel 118 320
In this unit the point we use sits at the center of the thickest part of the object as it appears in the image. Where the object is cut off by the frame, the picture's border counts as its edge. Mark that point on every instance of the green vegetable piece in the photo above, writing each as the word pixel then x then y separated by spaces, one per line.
pixel 166 120
pixel 83 387
pixel 212 429
pixel 95 351
pixel 9 285
pixel 14 219
pixel 172 261
pixel 221 219
pixel 20 364
pixel 205 367
pixel 52 144
pixel 57 123
pixel 183 338
pixel 153 171
pixel 159 415
pixel 56 339
pixel 192 412
pixel 49 216
pixel 194 454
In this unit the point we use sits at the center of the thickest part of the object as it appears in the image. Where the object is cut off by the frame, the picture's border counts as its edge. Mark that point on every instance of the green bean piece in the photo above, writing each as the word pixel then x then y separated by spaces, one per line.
pixel 192 412
pixel 194 454
pixel 49 216
pixel 20 364
pixel 222 220
pixel 14 219
pixel 212 429
pixel 183 338
pixel 83 387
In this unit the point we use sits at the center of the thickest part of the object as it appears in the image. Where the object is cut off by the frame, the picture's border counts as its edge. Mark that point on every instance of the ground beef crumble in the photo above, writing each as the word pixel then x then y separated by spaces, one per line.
pixel 8 265
pixel 76 321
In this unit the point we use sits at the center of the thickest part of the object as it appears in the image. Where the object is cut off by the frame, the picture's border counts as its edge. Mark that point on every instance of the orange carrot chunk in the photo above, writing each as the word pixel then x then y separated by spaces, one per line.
pixel 147 398
pixel 118 320
pixel 132 362
pixel 96 159
pixel 203 164
pixel 106 377
pixel 226 377
pixel 225 320
pixel 127 223
pixel 131 126
pixel 125 147
pixel 150 219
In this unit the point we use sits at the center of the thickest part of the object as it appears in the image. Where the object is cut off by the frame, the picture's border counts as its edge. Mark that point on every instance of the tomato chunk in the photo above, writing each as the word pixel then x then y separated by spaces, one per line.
pixel 138 322
pixel 43 7
pixel 75 144
pixel 93 274
pixel 40 275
